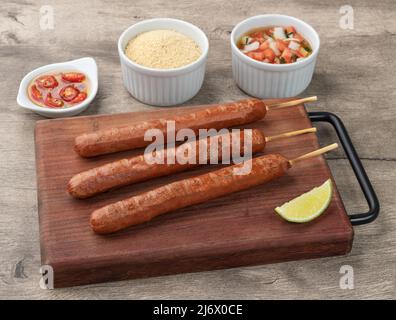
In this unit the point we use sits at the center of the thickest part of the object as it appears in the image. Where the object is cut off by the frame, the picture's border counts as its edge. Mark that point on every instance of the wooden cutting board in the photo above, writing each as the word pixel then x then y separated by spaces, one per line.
pixel 236 230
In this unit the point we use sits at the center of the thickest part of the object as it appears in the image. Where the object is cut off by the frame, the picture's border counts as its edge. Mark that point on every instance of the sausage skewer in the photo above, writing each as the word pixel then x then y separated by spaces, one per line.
pixel 183 193
pixel 137 169
pixel 212 116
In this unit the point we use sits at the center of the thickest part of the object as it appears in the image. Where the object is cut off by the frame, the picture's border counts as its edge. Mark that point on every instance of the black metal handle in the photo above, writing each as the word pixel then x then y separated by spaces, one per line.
pixel 360 173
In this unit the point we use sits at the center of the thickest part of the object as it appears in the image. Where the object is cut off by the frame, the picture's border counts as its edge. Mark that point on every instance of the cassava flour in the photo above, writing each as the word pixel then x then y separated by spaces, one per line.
pixel 162 49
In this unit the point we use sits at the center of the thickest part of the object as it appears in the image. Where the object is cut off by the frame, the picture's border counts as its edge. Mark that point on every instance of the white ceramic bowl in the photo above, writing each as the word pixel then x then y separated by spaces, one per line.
pixel 163 87
pixel 264 80
pixel 86 65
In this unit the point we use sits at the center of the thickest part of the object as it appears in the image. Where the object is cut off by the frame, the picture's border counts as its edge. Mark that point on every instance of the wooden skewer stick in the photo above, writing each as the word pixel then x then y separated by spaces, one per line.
pixel 289 134
pixel 291 103
pixel 314 153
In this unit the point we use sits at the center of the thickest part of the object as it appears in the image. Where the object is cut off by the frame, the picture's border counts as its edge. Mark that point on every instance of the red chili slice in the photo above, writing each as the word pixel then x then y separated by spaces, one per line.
pixel 53 102
pixel 35 93
pixel 73 76
pixel 48 82
pixel 68 93
pixel 80 97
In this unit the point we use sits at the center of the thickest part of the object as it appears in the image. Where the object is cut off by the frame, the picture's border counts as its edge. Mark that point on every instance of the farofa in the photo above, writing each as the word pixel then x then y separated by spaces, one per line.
pixel 162 49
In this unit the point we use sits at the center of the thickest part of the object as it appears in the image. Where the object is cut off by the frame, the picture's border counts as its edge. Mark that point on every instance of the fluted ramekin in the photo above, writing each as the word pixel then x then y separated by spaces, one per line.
pixel 264 80
pixel 163 87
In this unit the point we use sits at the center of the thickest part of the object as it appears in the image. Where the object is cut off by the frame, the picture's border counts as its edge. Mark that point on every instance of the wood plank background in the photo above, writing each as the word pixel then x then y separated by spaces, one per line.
pixel 354 78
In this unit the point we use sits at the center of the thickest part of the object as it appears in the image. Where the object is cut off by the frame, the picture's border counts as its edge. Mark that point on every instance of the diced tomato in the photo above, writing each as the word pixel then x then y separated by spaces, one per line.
pixel 256 34
pixel 68 93
pixel 73 76
pixel 287 55
pixel 264 46
pixel 298 37
pixel 269 31
pixel 290 29
pixel 269 45
pixel 301 52
pixel 269 54
pixel 298 53
pixel 53 102
pixel 80 97
pixel 48 82
pixel 281 45
pixel 35 93
pixel 256 55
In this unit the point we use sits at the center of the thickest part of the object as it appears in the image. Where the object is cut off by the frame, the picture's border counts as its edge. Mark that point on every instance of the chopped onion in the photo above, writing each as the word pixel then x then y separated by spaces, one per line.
pixel 251 47
pixel 274 47
pixel 294 45
pixel 279 33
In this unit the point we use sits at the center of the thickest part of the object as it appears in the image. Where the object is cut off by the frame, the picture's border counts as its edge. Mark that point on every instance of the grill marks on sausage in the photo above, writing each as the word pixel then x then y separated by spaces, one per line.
pixel 137 169
pixel 207 117
pixel 180 194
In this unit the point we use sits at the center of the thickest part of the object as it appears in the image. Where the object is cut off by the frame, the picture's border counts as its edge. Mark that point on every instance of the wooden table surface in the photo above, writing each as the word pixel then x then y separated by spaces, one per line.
pixel 354 78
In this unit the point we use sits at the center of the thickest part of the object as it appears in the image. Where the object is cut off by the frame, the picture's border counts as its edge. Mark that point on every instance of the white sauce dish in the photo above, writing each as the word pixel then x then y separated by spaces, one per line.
pixel 84 65
pixel 265 80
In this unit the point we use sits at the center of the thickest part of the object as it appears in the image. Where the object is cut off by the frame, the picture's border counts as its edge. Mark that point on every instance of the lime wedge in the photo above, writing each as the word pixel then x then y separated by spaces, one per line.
pixel 308 206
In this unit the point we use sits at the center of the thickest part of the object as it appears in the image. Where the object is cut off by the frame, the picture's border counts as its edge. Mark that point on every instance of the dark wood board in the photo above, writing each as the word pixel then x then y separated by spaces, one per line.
pixel 236 230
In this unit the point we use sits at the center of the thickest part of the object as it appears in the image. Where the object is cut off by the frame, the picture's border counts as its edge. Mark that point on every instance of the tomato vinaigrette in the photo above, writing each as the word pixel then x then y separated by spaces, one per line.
pixel 275 45
pixel 59 90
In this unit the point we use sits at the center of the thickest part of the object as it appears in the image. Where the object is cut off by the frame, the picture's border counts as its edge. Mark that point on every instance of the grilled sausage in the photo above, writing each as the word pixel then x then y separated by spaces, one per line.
pixel 207 117
pixel 136 169
pixel 183 193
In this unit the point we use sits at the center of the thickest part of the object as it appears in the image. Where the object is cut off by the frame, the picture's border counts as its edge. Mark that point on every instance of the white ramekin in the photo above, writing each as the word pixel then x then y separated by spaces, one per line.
pixel 163 87
pixel 264 80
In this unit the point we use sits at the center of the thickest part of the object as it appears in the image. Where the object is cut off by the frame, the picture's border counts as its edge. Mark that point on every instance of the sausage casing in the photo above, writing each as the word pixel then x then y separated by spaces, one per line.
pixel 137 169
pixel 206 117
pixel 186 192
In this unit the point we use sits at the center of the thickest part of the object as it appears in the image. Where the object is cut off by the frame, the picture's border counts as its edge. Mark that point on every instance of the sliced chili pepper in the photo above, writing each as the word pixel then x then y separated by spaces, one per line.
pixel 48 82
pixel 35 93
pixel 73 76
pixel 80 97
pixel 68 93
pixel 53 102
